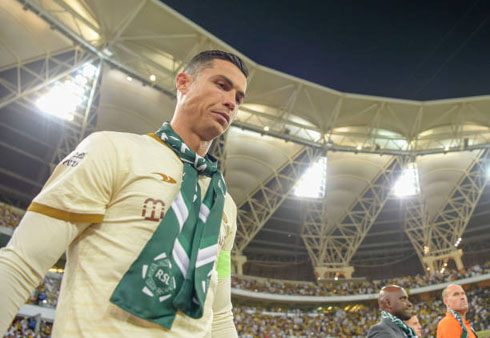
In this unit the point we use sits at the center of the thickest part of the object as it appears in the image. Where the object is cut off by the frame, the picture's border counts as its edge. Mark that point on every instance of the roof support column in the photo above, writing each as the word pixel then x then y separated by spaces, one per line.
pixel 237 262
pixel 268 197
pixel 436 241
pixel 218 151
pixel 332 248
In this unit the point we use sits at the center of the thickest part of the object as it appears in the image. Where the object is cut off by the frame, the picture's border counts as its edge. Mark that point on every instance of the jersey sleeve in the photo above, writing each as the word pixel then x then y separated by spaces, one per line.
pixel 36 245
pixel 81 185
pixel 223 325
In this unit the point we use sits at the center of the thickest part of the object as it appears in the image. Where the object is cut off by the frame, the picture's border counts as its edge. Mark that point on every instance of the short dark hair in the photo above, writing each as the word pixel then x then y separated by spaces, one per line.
pixel 205 60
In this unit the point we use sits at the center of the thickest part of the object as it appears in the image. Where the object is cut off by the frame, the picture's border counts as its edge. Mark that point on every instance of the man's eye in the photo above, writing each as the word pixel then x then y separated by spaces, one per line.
pixel 221 85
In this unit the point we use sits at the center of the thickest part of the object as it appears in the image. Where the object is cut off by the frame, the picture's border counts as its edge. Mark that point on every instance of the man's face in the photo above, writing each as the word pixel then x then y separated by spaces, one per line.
pixel 455 298
pixel 210 98
pixel 400 305
pixel 415 325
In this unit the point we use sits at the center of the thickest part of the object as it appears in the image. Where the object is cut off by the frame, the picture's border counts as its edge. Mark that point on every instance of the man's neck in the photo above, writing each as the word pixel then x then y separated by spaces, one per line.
pixel 194 142
pixel 461 313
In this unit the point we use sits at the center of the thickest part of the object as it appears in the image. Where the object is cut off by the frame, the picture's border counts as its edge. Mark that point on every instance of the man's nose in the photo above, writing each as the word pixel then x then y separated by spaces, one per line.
pixel 229 101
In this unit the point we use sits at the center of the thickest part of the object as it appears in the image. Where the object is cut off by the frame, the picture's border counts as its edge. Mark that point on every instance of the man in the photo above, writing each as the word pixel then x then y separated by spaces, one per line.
pixel 415 325
pixel 454 324
pixel 146 222
pixel 395 308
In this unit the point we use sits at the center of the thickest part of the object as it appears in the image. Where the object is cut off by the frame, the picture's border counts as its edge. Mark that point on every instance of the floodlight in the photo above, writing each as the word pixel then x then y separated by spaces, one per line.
pixel 312 183
pixel 89 70
pixel 408 183
pixel 61 101
pixel 458 242
pixel 107 52
pixel 81 80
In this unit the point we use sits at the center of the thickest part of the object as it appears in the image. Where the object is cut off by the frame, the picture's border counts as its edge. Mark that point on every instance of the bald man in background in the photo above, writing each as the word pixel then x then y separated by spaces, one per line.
pixel 415 325
pixel 395 308
pixel 454 324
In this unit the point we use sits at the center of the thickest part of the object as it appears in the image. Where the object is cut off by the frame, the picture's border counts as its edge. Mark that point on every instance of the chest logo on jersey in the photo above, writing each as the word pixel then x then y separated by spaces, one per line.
pixel 153 209
pixel 166 178
pixel 74 159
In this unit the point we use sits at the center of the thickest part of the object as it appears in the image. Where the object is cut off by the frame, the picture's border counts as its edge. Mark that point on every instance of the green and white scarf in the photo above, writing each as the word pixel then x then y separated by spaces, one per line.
pixel 456 315
pixel 173 270
pixel 407 330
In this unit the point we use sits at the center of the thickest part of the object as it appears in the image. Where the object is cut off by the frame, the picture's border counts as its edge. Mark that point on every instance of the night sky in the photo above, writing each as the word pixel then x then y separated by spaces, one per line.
pixel 420 50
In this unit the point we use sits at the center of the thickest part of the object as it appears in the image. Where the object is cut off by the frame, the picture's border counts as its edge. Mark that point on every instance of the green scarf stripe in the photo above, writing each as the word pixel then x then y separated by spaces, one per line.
pixel 172 272
pixel 407 330
pixel 456 315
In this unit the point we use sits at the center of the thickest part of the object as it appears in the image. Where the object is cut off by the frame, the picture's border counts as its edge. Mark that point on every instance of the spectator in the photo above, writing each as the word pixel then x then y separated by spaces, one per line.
pixel 415 325
pixel 395 306
pixel 454 324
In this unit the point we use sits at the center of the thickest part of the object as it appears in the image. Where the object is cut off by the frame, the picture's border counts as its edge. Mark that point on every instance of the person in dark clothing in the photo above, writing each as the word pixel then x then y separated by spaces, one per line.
pixel 395 308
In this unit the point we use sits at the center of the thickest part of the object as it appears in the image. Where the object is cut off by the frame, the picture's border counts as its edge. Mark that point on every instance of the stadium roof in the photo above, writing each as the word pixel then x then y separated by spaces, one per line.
pixel 419 50
pixel 285 123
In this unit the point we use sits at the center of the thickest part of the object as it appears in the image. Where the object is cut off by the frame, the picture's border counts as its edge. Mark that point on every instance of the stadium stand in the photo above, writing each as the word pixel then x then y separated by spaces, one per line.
pixel 351 319
pixel 348 321
pixel 328 320
pixel 351 287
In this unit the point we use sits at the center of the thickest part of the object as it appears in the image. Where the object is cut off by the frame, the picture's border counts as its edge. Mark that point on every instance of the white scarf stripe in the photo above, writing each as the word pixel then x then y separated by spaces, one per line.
pixel 207 252
pixel 204 213
pixel 205 261
pixel 180 257
pixel 206 255
pixel 180 210
pixel 180 266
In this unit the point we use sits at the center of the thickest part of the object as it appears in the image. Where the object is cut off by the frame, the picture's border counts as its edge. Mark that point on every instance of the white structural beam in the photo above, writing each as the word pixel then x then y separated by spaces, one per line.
pixel 266 199
pixel 436 241
pixel 332 248
pixel 292 108
pixel 27 77
pixel 315 229
pixel 416 225
pixel 218 151
pixel 84 120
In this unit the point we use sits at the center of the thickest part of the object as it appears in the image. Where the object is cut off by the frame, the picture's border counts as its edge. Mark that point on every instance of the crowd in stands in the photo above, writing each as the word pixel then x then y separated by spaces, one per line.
pixel 330 321
pixel 46 294
pixel 350 287
pixel 350 321
pixel 26 328
pixel 9 217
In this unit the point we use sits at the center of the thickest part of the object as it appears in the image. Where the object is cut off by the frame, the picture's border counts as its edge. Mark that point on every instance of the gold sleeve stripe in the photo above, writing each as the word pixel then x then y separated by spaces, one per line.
pixel 65 215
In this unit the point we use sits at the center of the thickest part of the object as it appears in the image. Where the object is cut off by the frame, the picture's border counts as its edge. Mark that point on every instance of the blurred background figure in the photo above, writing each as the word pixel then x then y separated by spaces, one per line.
pixel 415 325
pixel 454 324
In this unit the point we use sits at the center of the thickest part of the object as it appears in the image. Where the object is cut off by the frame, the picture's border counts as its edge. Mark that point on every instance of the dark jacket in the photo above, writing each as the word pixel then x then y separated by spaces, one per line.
pixel 385 329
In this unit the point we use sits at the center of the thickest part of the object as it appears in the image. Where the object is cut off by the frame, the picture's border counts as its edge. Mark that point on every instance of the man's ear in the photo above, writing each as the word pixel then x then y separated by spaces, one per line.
pixel 183 82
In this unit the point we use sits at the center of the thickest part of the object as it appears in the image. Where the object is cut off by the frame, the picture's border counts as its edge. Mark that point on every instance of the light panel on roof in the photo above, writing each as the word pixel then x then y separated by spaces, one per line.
pixel 312 183
pixel 408 183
